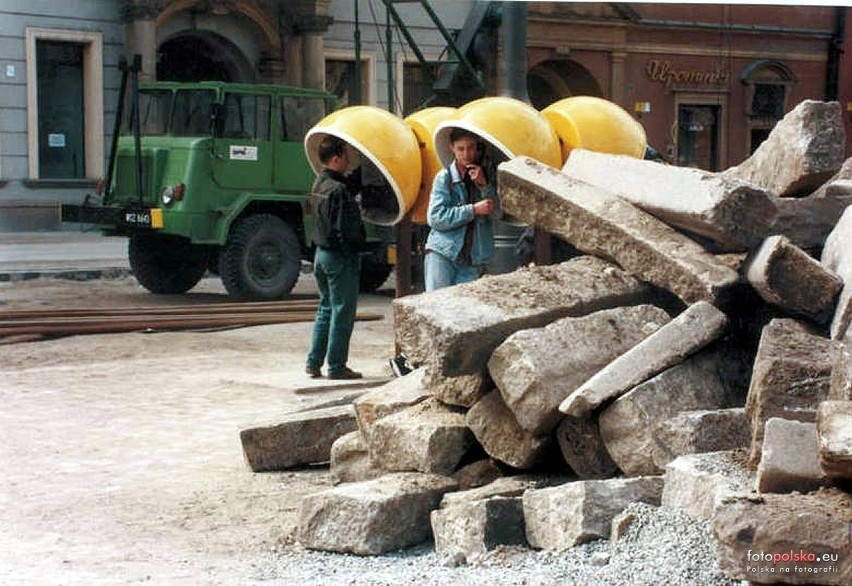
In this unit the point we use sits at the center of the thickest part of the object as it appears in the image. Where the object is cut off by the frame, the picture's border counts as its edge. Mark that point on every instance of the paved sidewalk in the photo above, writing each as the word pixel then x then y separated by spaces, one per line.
pixel 29 255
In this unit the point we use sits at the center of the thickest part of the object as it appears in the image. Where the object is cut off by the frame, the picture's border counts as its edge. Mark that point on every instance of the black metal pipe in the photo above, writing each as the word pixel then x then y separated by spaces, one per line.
pixel 515 51
pixel 357 98
pixel 137 125
pixel 835 51
pixel 116 127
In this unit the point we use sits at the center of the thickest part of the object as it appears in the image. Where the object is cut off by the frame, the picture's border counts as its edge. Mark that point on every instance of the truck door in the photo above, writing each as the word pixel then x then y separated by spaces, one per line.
pixel 243 151
pixel 297 114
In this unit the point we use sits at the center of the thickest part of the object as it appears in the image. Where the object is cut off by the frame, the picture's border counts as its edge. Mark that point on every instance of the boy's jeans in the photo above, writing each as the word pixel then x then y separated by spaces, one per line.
pixel 443 272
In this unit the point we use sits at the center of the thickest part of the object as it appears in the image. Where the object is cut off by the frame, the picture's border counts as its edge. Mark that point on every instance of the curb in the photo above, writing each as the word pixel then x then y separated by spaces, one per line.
pixel 66 274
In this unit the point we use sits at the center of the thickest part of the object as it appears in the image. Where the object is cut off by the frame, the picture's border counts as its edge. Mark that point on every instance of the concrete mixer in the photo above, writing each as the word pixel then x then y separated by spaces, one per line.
pixel 400 158
pixel 387 151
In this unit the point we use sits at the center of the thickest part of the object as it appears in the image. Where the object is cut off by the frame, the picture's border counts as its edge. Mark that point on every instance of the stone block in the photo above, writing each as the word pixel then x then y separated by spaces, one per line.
pixel 463 390
pixel 697 483
pixel 834 434
pixel 583 448
pixel 426 437
pixel 627 425
pixel 477 474
pixel 791 376
pixel 597 222
pixel 496 429
pixel 840 190
pixel 390 398
pixel 350 459
pixel 470 523
pixel 777 272
pixel 733 214
pixel 693 329
pixel 807 221
pixel 786 538
pixel 374 516
pixel 563 516
pixel 465 531
pixel 803 150
pixel 839 186
pixel 456 329
pixel 535 369
pixel 695 432
pixel 837 257
pixel 506 486
pixel 840 387
pixel 298 439
pixel 789 459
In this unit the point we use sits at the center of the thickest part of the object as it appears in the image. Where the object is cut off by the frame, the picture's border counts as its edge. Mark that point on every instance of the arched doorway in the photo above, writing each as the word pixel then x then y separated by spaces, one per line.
pixel 202 56
pixel 550 81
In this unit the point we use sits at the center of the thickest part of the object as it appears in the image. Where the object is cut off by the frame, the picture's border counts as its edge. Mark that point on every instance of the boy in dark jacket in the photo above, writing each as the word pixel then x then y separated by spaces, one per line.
pixel 339 238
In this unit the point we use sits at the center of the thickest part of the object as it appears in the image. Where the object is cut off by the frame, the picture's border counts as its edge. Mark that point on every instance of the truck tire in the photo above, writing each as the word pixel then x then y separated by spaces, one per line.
pixel 166 264
pixel 260 261
pixel 374 273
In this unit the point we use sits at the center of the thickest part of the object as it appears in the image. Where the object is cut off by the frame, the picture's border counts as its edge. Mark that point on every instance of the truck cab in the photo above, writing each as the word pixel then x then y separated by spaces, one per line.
pixel 217 178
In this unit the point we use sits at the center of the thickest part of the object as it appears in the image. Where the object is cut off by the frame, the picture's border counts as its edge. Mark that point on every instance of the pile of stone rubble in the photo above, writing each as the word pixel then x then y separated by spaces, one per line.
pixel 696 354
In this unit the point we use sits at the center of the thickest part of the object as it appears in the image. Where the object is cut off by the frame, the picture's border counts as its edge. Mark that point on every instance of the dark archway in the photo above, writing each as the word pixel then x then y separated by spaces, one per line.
pixel 551 81
pixel 202 56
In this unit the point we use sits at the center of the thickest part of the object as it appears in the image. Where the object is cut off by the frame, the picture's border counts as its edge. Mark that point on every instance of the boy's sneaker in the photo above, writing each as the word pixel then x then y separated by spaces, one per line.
pixel 313 372
pixel 344 374
pixel 400 365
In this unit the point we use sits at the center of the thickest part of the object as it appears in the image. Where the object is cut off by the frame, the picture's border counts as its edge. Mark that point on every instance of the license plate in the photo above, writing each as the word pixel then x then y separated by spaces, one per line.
pixel 150 218
pixel 138 218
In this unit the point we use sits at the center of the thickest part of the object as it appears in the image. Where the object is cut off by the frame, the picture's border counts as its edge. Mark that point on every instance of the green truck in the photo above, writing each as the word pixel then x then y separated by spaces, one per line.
pixel 213 176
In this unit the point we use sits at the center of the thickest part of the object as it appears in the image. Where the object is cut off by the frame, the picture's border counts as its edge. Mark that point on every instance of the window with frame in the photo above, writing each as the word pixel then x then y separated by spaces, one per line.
pixel 768 100
pixel 415 88
pixel 341 78
pixel 298 115
pixel 766 87
pixel 61 144
pixel 154 109
pixel 65 109
pixel 698 136
pixel 247 116
pixel 191 112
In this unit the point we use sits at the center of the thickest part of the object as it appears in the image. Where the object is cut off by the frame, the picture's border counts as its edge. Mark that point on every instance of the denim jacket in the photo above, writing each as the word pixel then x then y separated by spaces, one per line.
pixel 449 213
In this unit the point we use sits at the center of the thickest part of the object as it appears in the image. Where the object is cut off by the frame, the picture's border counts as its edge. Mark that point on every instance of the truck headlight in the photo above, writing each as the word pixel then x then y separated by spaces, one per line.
pixel 168 195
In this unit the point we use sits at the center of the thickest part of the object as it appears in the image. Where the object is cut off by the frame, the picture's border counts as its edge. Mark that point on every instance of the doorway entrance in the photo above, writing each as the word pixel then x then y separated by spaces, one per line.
pixel 698 136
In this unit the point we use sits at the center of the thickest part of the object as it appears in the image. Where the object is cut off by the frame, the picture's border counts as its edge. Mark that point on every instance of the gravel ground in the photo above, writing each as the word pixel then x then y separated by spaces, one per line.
pixel 661 546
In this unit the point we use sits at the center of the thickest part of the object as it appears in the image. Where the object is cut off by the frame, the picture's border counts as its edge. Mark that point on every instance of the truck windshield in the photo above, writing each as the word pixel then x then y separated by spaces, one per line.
pixel 176 113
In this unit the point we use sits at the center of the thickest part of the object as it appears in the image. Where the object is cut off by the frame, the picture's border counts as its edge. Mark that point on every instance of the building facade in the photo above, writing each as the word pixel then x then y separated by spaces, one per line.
pixel 708 82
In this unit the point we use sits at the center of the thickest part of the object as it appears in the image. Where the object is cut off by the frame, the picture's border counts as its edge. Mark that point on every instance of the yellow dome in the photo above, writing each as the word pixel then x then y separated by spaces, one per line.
pixel 382 143
pixel 597 125
pixel 423 123
pixel 510 126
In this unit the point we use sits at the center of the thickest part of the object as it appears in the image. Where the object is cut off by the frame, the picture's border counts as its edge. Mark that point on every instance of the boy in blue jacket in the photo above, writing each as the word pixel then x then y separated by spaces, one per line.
pixel 462 207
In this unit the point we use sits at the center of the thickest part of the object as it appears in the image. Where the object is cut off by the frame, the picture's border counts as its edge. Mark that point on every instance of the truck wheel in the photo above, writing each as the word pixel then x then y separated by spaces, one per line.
pixel 374 273
pixel 166 264
pixel 261 258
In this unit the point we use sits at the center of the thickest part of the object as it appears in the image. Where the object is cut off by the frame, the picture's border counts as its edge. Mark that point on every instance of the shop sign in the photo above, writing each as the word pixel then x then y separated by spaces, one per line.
pixel 664 72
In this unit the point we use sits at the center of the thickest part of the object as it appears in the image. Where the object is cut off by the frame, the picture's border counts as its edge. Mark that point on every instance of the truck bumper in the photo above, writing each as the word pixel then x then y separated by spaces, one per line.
pixel 113 217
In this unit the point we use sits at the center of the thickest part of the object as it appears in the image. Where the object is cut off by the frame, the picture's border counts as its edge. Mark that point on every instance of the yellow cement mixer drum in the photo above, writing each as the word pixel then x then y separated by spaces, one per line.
pixel 595 124
pixel 388 152
pixel 512 127
pixel 423 123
